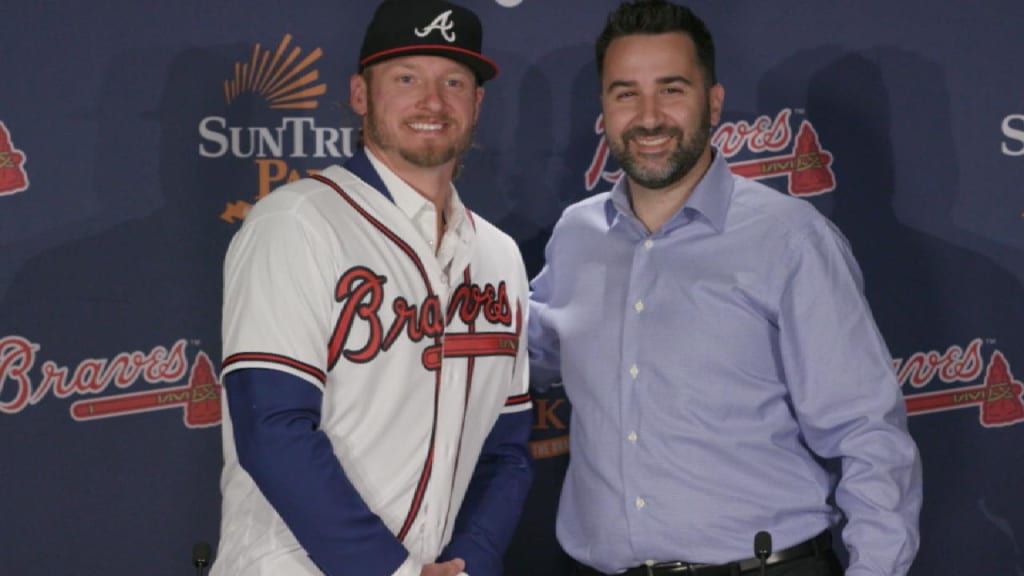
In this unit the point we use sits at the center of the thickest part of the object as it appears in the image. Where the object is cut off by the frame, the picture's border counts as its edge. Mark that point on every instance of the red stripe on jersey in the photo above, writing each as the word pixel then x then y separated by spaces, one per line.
pixel 275 359
pixel 382 228
pixel 517 400
pixel 428 466
pixel 470 367
pixel 471 345
pixel 421 486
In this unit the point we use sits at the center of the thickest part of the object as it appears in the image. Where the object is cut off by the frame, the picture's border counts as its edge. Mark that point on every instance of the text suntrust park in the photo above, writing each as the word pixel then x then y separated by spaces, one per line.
pixel 294 137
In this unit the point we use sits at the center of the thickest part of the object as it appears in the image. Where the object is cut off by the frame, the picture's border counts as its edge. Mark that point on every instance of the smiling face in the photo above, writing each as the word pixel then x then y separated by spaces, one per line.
pixel 418 111
pixel 658 109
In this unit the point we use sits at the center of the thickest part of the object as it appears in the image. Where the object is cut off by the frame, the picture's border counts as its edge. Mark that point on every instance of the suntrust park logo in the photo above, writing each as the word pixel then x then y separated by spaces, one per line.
pixel 285 82
pixel 991 387
pixel 1013 138
pixel 25 382
pixel 13 178
pixel 799 159
pixel 1013 135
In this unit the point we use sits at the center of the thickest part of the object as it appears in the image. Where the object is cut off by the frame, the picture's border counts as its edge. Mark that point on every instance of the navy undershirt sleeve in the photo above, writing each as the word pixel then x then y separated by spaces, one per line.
pixel 494 501
pixel 276 420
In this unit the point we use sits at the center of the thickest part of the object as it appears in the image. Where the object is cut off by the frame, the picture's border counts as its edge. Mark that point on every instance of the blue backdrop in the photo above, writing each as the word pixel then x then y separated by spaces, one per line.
pixel 133 135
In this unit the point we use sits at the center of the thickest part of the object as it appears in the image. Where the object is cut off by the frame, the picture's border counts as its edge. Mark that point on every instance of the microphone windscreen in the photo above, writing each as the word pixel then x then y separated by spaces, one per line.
pixel 762 544
pixel 200 554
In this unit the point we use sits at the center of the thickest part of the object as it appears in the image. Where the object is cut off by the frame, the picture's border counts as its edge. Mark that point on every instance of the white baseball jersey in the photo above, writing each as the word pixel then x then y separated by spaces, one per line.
pixel 328 280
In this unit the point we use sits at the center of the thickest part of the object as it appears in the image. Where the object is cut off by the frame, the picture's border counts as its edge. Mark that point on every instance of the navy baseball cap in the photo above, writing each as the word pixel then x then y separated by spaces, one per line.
pixel 428 27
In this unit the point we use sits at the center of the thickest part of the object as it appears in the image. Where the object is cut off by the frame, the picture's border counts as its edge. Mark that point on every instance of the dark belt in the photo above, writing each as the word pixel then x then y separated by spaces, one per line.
pixel 812 547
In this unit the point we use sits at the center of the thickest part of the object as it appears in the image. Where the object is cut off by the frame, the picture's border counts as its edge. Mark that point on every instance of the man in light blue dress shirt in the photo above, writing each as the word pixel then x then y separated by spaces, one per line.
pixel 725 372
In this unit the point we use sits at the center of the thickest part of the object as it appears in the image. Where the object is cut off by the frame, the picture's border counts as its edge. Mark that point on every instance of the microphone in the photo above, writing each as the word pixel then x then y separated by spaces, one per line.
pixel 762 548
pixel 200 557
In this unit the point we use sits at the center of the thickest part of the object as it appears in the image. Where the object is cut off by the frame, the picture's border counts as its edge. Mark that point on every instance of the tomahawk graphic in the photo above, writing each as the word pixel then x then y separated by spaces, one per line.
pixel 200 398
pixel 999 397
pixel 808 167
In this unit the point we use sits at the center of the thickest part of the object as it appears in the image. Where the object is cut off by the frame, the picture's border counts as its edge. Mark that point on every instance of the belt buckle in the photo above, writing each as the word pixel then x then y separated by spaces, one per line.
pixel 677 567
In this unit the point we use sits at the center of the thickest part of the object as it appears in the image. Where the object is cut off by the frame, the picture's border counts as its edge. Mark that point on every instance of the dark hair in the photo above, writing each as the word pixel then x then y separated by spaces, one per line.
pixel 658 17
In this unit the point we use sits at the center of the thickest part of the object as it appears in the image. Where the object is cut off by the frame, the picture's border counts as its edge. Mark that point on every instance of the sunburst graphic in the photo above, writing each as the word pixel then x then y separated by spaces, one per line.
pixel 286 82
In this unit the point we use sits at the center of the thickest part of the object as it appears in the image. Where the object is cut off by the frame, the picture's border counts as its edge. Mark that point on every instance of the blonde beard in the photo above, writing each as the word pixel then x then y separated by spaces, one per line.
pixel 425 158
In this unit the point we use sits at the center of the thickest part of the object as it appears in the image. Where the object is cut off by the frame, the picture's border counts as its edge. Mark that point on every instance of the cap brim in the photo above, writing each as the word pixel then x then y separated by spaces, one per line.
pixel 483 67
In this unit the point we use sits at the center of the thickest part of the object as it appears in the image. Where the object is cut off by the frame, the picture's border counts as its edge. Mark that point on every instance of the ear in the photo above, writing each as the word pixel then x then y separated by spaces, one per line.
pixel 479 101
pixel 716 100
pixel 357 89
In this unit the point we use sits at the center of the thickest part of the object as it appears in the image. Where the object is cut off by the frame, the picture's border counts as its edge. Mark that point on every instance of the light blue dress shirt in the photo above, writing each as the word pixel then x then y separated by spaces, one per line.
pixel 713 366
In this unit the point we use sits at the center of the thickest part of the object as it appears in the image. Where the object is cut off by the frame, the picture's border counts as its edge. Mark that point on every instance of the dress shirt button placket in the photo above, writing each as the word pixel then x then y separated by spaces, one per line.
pixel 631 393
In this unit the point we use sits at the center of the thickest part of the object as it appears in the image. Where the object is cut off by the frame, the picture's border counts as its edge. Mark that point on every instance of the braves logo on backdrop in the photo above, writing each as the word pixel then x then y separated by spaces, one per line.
pixel 13 178
pixel 801 160
pixel 997 397
pixel 361 291
pixel 23 386
pixel 284 81
pixel 442 23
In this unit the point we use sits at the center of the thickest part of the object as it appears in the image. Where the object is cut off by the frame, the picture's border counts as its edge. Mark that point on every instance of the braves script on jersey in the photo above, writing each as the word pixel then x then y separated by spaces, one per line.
pixel 329 280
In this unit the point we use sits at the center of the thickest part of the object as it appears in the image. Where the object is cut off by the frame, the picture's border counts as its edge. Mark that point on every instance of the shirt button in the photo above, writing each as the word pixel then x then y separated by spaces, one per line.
pixel 640 503
pixel 632 437
pixel 639 306
pixel 633 371
pixel 648 243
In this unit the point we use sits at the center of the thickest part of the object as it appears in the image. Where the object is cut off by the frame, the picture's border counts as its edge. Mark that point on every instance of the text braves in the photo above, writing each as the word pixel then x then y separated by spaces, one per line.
pixel 91 376
pixel 361 293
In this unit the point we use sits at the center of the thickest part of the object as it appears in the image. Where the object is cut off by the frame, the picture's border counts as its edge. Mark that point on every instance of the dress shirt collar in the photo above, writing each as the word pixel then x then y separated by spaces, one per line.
pixel 710 199
pixel 452 248
pixel 411 202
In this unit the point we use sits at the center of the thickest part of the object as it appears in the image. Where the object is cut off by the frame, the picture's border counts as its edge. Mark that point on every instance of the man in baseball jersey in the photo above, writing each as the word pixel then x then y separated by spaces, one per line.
pixel 376 402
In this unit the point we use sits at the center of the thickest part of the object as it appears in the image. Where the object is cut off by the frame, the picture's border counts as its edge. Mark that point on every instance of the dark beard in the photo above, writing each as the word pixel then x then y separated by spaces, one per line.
pixel 679 163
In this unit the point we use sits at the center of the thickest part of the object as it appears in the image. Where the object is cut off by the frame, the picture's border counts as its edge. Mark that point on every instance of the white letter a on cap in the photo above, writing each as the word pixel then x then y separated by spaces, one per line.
pixel 443 22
